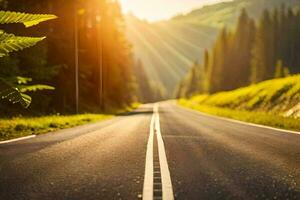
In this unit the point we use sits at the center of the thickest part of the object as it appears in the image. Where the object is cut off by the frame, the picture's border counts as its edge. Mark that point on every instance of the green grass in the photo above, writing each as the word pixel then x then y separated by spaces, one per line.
pixel 24 126
pixel 261 118
pixel 225 13
pixel 276 96
pixel 273 103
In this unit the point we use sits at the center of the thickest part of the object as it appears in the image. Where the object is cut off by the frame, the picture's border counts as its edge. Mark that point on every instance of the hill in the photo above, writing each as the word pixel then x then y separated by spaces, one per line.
pixel 168 49
pixel 277 96
pixel 274 103
pixel 226 13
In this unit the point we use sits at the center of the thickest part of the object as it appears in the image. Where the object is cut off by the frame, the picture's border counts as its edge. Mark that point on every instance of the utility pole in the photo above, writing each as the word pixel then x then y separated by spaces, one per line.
pixel 100 60
pixel 76 57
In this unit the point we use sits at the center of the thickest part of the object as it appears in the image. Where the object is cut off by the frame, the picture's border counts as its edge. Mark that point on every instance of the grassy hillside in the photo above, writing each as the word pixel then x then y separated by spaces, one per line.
pixel 278 95
pixel 226 13
pixel 274 102
pixel 169 48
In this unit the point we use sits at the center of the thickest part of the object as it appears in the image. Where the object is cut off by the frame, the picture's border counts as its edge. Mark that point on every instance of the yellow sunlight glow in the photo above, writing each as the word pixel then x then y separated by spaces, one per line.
pixel 154 10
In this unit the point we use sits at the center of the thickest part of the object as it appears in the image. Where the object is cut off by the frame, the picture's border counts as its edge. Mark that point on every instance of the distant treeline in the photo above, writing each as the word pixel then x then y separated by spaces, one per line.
pixel 148 91
pixel 252 53
pixel 106 63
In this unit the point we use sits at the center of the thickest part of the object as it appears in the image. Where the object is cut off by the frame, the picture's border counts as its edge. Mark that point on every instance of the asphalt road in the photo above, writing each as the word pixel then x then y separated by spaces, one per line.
pixel 208 158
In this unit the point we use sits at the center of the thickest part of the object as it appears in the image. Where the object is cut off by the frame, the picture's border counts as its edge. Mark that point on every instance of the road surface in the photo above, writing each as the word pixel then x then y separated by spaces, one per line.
pixel 151 153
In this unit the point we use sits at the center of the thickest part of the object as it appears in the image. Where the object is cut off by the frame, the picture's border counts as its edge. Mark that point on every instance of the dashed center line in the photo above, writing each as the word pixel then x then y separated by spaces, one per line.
pixel 157 181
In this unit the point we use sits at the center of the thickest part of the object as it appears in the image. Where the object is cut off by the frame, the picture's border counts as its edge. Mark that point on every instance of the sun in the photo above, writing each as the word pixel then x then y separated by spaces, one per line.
pixel 152 10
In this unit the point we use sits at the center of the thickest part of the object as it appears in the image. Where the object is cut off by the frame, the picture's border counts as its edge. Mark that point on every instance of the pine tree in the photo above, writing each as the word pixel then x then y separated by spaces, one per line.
pixel 217 66
pixel 263 57
pixel 206 72
pixel 251 53
pixel 240 52
pixel 279 70
pixel 99 21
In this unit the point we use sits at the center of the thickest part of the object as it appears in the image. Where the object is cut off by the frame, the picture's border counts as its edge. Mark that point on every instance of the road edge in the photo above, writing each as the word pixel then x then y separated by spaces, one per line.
pixel 238 121
pixel 17 139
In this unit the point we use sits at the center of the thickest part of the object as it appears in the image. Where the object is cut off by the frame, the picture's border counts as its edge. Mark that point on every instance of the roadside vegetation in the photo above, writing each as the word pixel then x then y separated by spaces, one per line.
pixel 181 41
pixel 15 127
pixel 251 72
pixel 25 126
pixel 49 66
pixel 252 52
pixel 273 103
pixel 51 62
pixel 262 118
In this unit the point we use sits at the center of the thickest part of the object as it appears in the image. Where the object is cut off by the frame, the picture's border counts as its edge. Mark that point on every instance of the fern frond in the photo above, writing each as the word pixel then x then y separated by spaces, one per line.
pixel 7 17
pixel 34 88
pixel 10 43
pixel 22 80
pixel 13 95
pixel 15 80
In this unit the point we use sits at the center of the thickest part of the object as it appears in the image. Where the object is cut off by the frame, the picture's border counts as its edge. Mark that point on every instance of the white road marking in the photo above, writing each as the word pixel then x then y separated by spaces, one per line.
pixel 165 173
pixel 148 180
pixel 17 139
pixel 167 189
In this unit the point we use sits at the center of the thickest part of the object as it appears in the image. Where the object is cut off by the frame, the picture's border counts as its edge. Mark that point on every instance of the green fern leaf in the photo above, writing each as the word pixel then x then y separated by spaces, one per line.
pixel 13 95
pixel 34 88
pixel 15 80
pixel 22 80
pixel 7 17
pixel 11 89
pixel 10 43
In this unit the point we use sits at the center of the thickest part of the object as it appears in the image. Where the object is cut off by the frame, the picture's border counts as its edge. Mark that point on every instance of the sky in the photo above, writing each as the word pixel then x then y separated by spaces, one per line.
pixel 155 10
